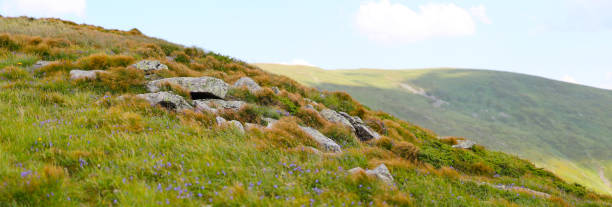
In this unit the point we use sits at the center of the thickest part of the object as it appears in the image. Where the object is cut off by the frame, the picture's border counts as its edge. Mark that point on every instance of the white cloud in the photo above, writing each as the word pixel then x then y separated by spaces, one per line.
pixel 43 8
pixel 569 79
pixel 480 13
pixel 297 62
pixel 395 22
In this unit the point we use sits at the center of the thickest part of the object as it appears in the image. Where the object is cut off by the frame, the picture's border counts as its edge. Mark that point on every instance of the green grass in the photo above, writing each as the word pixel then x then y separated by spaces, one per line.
pixel 560 126
pixel 74 143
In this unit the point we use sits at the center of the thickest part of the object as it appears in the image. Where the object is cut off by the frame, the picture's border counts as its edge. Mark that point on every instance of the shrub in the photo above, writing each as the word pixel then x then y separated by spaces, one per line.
pixel 266 97
pixel 181 57
pixel 250 114
pixel 6 41
pixel 310 117
pixel 123 79
pixel 194 52
pixel 42 50
pixel 14 73
pixel 406 150
pixel 287 104
pixel 57 42
pixel 182 70
pixel 54 68
pixel 447 172
pixel 480 168
pixel 451 140
pixel 150 51
pixel 396 130
pixel 287 133
pixel 385 143
pixel 103 61
pixel 340 134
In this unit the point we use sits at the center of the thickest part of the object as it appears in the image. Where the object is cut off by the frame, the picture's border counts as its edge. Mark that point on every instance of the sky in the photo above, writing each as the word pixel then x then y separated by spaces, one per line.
pixel 568 40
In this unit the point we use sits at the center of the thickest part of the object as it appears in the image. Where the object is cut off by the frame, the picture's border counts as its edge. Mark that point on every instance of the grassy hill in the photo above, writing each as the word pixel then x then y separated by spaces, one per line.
pixel 94 141
pixel 560 126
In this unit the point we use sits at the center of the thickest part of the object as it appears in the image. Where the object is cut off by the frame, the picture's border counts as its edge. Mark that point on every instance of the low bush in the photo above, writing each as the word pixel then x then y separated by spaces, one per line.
pixel 6 41
pixel 103 61
pixel 181 57
pixel 122 79
pixel 311 118
pixel 406 150
pixel 14 73
pixel 340 134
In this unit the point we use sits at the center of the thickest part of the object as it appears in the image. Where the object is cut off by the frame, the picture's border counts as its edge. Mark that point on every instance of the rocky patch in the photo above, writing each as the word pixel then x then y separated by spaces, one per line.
pixel 381 173
pixel 149 66
pixel 199 88
pixel 84 74
pixel 248 83
pixel 464 144
pixel 325 142
pixel 214 105
pixel 166 100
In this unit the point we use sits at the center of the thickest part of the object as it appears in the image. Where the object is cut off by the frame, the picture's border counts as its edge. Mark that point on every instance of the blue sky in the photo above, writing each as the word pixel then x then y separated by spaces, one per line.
pixel 567 40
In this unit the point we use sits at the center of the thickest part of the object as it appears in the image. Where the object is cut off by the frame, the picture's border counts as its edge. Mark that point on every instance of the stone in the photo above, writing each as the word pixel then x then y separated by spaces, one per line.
pixel 199 88
pixel 84 74
pixel 270 122
pixel 220 120
pixel 325 142
pixel 237 124
pixel 41 63
pixel 275 90
pixel 464 144
pixel 382 173
pixel 248 83
pixel 149 66
pixel 309 106
pixel 363 132
pixel 166 100
pixel 214 105
pixel 334 116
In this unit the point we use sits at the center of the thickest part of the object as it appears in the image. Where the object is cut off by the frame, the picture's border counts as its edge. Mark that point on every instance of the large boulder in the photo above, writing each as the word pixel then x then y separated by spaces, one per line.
pixel 84 74
pixel 325 142
pixel 199 88
pixel 363 132
pixel 248 83
pixel 334 116
pixel 214 105
pixel 166 100
pixel 464 144
pixel 149 66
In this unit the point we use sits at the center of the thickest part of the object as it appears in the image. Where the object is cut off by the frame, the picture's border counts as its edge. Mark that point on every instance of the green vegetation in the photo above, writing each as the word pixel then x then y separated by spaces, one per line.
pixel 74 142
pixel 560 126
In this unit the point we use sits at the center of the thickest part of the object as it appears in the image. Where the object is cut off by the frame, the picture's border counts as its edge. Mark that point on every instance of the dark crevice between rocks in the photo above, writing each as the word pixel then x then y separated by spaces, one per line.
pixel 202 95
pixel 168 105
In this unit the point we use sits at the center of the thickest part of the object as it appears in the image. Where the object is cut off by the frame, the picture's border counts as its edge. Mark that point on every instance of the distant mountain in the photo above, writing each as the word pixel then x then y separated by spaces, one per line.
pixel 564 127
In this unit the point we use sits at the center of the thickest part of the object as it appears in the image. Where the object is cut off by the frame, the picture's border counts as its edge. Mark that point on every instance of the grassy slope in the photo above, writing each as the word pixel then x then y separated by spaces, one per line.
pixel 72 143
pixel 561 126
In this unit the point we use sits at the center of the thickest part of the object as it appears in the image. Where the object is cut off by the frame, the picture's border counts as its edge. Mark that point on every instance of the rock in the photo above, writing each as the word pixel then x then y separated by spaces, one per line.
pixel 363 132
pixel 276 90
pixel 334 116
pixel 214 105
pixel 238 125
pixel 166 100
pixel 199 88
pixel 251 126
pixel 381 172
pixel 149 66
pixel 309 106
pixel 464 144
pixel 40 64
pixel 249 83
pixel 327 143
pixel 220 120
pixel 84 74
pixel 270 122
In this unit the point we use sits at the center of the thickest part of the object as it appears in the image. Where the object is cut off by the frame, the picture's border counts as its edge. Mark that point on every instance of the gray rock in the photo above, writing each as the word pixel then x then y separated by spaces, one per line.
pixel 382 173
pixel 276 90
pixel 199 88
pixel 309 106
pixel 166 100
pixel 363 132
pixel 464 144
pixel 41 63
pixel 249 83
pixel 220 120
pixel 327 143
pixel 84 74
pixel 214 105
pixel 270 122
pixel 149 66
pixel 238 125
pixel 334 116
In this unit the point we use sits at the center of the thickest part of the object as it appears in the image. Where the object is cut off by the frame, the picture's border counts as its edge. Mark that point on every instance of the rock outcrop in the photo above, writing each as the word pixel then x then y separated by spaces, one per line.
pixel 84 74
pixel 214 105
pixel 199 88
pixel 40 64
pixel 149 66
pixel 334 116
pixel 221 121
pixel 464 144
pixel 248 83
pixel 325 142
pixel 381 172
pixel 166 100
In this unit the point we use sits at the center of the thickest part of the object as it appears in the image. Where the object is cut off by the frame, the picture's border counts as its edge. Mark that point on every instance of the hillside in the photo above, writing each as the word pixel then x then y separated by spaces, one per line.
pixel 97 117
pixel 560 126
